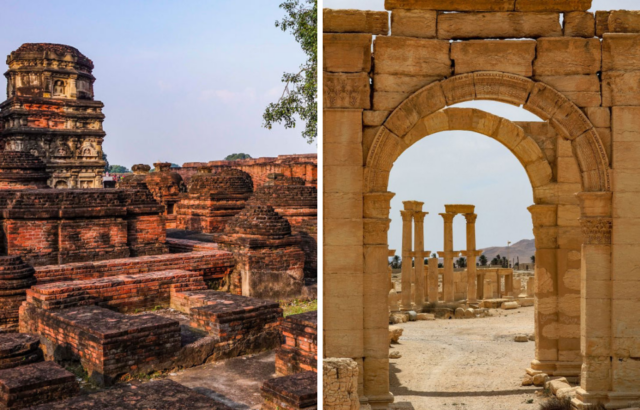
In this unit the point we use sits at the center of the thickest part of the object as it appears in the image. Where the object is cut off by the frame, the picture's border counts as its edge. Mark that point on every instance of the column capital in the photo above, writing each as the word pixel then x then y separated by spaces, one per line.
pixel 596 231
pixel 448 217
pixel 419 216
pixel 471 218
pixel 407 216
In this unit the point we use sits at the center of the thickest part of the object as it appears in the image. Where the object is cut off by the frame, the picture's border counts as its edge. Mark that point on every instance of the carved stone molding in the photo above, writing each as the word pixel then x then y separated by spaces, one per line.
pixel 596 231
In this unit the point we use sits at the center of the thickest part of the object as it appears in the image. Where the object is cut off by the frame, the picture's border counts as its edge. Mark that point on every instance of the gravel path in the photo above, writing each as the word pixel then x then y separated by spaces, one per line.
pixel 465 364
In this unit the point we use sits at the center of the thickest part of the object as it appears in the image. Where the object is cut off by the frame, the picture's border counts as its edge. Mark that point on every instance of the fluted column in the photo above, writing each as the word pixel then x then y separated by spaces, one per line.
pixel 407 218
pixel 447 280
pixel 471 258
pixel 418 253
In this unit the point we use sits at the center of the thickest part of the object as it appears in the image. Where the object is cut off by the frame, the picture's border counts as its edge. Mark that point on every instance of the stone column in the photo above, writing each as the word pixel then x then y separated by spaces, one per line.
pixel 448 254
pixel 480 288
pixel 508 284
pixel 433 280
pixel 471 258
pixel 392 253
pixel 418 217
pixel 407 269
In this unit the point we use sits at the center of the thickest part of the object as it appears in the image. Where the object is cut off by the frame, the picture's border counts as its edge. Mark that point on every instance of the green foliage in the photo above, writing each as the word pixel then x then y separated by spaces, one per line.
pixel 556 404
pixel 106 162
pixel 297 306
pixel 461 262
pixel 239 155
pixel 300 96
pixel 483 260
pixel 118 169
pixel 396 262
pixel 533 259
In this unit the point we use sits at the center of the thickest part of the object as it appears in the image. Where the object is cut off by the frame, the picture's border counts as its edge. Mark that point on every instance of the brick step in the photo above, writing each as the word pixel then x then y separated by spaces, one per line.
pixel 35 384
pixel 19 349
pixel 297 391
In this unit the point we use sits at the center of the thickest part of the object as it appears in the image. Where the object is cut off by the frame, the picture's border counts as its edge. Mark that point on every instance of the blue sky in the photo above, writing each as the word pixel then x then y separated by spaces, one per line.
pixel 181 80
pixel 465 168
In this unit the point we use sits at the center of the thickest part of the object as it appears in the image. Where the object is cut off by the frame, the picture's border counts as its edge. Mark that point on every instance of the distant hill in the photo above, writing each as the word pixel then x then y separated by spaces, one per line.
pixel 524 249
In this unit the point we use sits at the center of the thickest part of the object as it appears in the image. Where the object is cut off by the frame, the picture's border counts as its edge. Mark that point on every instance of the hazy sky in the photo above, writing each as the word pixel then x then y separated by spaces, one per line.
pixel 465 168
pixel 181 80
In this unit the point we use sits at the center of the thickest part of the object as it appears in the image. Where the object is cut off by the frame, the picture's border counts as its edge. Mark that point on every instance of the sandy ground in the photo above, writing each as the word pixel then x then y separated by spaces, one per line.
pixel 235 382
pixel 465 364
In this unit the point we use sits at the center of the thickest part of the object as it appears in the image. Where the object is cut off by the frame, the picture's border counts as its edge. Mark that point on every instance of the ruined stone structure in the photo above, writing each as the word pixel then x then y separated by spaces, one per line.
pixel 303 166
pixel 50 112
pixel 269 258
pixel 295 392
pixel 299 350
pixel 213 199
pixel 582 162
pixel 166 186
pixel 298 203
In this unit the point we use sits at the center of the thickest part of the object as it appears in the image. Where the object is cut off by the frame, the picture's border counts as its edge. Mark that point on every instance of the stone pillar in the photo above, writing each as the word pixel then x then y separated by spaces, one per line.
pixel 508 284
pixel 531 282
pixel 392 253
pixel 471 258
pixel 545 230
pixel 433 280
pixel 418 217
pixel 480 286
pixel 448 254
pixel 407 269
pixel 605 368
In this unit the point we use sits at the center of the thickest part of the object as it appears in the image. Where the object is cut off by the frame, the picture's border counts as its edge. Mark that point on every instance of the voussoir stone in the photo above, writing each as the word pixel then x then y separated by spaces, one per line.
pixel 553 5
pixel 567 56
pixel 451 5
pixel 514 57
pixel 355 21
pixel 498 25
pixel 412 56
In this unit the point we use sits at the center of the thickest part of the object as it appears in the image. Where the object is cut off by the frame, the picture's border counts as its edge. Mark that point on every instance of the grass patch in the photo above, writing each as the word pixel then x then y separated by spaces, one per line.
pixel 297 306
pixel 555 403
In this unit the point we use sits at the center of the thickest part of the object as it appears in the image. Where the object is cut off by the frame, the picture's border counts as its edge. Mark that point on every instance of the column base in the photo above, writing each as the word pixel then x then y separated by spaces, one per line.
pixel 555 368
pixel 380 402
pixel 612 400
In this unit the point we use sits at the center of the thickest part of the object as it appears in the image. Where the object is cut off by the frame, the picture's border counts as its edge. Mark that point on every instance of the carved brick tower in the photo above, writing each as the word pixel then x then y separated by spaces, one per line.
pixel 50 112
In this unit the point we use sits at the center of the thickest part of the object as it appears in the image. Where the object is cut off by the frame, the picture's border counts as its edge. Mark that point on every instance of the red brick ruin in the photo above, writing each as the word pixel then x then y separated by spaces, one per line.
pixel 86 274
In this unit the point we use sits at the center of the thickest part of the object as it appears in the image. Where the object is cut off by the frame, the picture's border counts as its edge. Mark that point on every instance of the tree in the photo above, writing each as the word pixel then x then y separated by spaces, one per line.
pixel 239 155
pixel 461 262
pixel 533 259
pixel 433 255
pixel 106 162
pixel 483 260
pixel 300 96
pixel 396 262
pixel 119 169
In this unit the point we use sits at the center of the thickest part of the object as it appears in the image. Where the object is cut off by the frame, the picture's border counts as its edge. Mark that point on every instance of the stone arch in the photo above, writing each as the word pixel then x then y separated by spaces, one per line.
pixel 422 113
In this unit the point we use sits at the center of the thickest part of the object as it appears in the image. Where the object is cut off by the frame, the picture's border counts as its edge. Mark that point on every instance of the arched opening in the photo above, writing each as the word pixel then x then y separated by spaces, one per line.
pixel 563 210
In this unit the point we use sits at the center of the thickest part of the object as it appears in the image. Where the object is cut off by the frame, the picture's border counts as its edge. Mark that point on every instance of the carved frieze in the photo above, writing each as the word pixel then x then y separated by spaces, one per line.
pixel 346 90
pixel 596 231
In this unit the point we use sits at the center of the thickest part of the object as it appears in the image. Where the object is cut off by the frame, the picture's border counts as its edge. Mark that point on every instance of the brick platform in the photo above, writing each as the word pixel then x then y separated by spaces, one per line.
pixel 19 349
pixel 213 264
pixel 186 245
pixel 35 384
pixel 299 351
pixel 126 293
pixel 108 344
pixel 241 325
pixel 15 278
pixel 158 395
pixel 298 391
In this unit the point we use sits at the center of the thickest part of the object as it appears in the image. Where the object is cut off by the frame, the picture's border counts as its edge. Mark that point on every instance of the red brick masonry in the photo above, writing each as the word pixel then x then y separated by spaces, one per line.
pixel 299 350
pixel 35 384
pixel 295 392
pixel 19 349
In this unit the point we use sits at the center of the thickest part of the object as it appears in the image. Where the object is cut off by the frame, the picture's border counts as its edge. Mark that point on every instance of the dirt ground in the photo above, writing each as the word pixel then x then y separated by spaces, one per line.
pixel 465 364
pixel 235 382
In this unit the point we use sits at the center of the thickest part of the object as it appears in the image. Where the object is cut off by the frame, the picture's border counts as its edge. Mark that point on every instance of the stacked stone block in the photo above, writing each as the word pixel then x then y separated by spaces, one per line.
pixel 108 344
pixel 158 394
pixel 48 227
pixel 128 293
pixel 15 278
pixel 240 325
pixel 340 384
pixel 298 391
pixel 19 349
pixel 35 384
pixel 213 199
pixel 22 170
pixel 299 350
pixel 270 261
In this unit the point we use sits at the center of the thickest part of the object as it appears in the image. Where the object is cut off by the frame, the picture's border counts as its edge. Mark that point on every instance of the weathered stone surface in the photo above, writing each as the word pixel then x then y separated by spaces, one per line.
pixel 567 56
pixel 35 384
pixel 342 90
pixel 347 53
pixel 539 380
pixel 514 57
pixel 600 117
pixel 521 338
pixel 340 384
pixel 510 305
pixel 620 88
pixel 621 52
pixel 374 118
pixel 624 21
pixel 602 22
pixel 553 5
pixel 295 392
pixel 412 56
pixel 406 84
pixel 582 90
pixel 414 23
pixel 355 21
pixel 579 24
pixel 299 349
pixel 498 25
pixel 451 5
